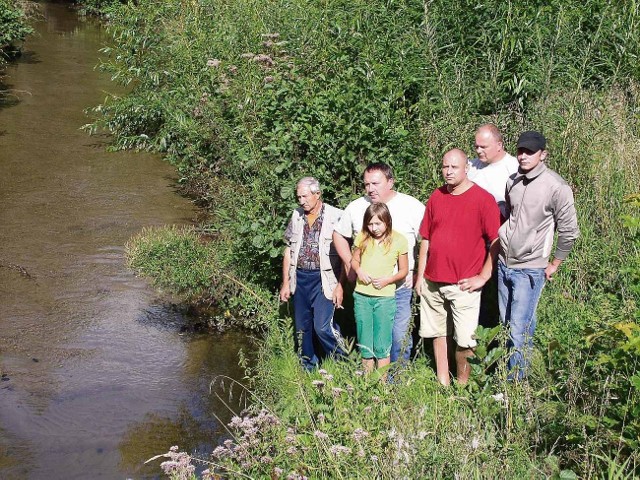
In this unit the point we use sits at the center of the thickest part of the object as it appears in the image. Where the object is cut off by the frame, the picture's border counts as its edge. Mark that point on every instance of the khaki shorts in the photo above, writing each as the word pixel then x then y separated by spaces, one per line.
pixel 446 310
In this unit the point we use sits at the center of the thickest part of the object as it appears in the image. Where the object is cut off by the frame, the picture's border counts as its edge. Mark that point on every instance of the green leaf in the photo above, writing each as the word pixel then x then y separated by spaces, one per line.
pixel 286 191
pixel 567 475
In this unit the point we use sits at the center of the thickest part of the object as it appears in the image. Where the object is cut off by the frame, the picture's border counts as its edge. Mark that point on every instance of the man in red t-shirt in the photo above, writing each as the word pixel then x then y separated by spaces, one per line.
pixel 460 220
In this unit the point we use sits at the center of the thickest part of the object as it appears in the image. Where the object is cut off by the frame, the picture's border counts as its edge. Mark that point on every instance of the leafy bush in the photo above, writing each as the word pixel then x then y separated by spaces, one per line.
pixel 14 26
pixel 179 262
pixel 246 97
pixel 98 7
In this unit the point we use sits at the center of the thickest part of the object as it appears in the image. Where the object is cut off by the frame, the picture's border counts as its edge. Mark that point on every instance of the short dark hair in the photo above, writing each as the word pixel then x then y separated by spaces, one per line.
pixel 380 167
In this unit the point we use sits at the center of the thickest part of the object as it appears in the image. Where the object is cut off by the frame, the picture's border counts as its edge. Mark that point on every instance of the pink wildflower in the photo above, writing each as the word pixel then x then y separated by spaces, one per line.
pixel 263 59
pixel 359 434
pixel 339 450
pixel 336 391
pixel 220 452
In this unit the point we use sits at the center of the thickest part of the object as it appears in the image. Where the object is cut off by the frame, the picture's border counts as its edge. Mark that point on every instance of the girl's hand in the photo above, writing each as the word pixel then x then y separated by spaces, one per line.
pixel 364 277
pixel 379 283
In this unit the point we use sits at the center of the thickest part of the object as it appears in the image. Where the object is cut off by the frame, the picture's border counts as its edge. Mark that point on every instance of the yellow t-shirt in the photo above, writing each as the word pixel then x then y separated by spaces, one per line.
pixel 380 261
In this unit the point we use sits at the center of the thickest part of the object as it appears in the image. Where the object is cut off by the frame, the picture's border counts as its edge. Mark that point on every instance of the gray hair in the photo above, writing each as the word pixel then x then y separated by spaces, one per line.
pixel 311 182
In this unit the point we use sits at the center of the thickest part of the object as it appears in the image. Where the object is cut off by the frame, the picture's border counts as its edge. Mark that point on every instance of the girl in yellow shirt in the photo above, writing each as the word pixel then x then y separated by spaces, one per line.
pixel 378 249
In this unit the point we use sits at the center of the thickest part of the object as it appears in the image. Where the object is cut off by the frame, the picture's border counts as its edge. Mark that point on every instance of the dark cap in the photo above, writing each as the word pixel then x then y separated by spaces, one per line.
pixel 533 141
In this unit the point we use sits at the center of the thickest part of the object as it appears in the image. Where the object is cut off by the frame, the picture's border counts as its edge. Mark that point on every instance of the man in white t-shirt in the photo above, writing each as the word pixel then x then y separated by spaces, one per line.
pixel 406 216
pixel 491 170
pixel 493 166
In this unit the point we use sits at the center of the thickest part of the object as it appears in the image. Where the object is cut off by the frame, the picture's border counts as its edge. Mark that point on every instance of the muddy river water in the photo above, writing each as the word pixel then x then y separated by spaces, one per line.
pixel 99 372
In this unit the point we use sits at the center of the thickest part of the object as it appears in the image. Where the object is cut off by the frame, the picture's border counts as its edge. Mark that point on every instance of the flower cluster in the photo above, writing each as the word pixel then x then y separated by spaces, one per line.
pixel 179 466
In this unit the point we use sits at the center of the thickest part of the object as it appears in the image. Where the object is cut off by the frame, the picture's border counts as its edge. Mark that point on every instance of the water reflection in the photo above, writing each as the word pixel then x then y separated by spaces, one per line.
pixel 92 355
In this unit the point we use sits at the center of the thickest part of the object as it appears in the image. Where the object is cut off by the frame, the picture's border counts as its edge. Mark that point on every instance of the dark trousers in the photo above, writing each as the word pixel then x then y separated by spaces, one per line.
pixel 313 312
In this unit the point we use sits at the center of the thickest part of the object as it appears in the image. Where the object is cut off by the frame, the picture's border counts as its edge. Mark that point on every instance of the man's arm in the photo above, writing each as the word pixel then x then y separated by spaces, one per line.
pixel 422 265
pixel 477 281
pixel 342 247
pixel 285 291
pixel 338 292
pixel 566 220
pixel 344 252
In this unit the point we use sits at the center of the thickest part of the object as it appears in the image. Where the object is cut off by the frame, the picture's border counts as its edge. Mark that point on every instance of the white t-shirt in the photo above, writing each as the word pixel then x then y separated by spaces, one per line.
pixel 493 177
pixel 406 216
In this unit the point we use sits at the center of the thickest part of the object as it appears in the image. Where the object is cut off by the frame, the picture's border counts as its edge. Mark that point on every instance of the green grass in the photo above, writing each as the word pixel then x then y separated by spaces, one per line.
pixel 246 97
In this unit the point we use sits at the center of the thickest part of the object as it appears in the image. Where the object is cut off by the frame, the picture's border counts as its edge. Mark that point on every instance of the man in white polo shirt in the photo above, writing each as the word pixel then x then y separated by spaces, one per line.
pixel 490 171
pixel 493 166
pixel 406 215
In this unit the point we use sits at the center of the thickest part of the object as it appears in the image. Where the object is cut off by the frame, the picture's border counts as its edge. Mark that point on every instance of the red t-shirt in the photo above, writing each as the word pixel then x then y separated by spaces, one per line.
pixel 458 228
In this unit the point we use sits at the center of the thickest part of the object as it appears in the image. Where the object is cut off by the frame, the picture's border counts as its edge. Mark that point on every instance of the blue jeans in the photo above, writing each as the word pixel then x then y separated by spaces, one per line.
pixel 519 291
pixel 313 313
pixel 402 339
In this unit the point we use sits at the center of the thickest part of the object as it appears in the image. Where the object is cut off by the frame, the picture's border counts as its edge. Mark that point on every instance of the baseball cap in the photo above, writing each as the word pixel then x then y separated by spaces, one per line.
pixel 532 140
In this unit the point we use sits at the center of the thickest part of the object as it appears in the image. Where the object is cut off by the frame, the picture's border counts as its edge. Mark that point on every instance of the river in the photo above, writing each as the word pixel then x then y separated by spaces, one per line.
pixel 99 371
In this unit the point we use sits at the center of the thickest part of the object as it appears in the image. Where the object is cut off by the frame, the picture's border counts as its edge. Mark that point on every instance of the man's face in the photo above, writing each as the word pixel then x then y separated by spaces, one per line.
pixel 377 186
pixel 529 159
pixel 306 199
pixel 454 169
pixel 487 147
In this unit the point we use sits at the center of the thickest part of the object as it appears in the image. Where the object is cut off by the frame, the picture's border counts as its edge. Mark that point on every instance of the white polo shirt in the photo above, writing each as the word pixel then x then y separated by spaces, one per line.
pixel 406 216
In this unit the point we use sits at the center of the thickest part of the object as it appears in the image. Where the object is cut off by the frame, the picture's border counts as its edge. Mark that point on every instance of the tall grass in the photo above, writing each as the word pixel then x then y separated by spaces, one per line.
pixel 245 97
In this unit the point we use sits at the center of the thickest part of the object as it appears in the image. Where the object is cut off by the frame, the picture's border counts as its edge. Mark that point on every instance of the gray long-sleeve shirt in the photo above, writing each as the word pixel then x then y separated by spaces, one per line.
pixel 539 203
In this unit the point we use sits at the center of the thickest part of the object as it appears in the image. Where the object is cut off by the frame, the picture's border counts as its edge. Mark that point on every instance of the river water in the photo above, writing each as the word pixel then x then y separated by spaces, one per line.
pixel 99 372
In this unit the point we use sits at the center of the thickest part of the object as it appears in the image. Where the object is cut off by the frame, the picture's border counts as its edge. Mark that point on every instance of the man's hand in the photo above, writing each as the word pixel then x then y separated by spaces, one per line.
pixel 338 294
pixel 418 286
pixel 472 284
pixel 285 292
pixel 550 271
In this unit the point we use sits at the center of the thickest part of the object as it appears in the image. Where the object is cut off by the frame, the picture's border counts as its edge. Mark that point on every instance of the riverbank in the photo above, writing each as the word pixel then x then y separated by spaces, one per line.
pixel 97 370
pixel 14 27
pixel 246 98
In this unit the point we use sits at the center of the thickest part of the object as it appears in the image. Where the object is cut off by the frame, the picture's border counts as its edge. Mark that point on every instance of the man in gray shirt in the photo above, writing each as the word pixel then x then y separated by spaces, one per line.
pixel 539 204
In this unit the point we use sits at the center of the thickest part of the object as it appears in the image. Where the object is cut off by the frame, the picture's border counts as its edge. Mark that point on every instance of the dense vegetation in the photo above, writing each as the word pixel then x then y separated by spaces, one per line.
pixel 14 26
pixel 98 7
pixel 245 97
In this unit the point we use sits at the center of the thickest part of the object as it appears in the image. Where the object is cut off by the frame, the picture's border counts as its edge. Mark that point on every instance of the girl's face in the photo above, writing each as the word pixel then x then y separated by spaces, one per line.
pixel 376 227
